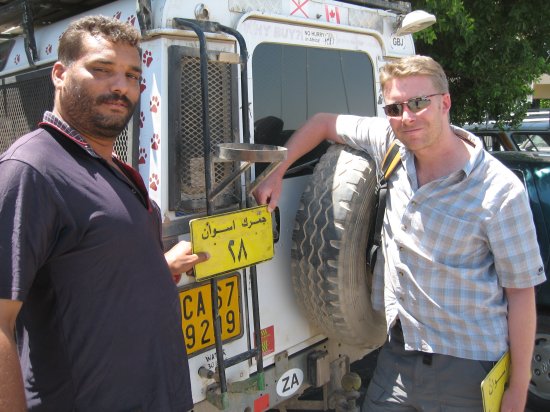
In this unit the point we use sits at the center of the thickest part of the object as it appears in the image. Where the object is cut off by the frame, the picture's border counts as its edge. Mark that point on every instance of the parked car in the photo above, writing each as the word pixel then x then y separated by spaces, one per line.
pixel 533 168
pixel 525 149
pixel 532 135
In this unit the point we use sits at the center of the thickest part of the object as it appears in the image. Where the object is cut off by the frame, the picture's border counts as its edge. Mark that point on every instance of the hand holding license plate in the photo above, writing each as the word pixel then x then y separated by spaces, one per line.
pixel 233 240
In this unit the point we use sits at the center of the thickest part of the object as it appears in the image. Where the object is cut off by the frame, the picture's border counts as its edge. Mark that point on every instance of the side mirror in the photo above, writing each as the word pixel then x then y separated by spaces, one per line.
pixel 413 22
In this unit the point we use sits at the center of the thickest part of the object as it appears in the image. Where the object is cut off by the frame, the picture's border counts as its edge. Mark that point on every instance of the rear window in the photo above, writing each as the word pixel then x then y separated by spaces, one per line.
pixel 491 142
pixel 292 83
pixel 532 142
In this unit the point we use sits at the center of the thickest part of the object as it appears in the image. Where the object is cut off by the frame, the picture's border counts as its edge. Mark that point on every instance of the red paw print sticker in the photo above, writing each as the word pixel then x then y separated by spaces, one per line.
pixel 117 15
pixel 141 120
pixel 154 104
pixel 17 59
pixel 155 141
pixel 49 49
pixel 142 85
pixel 154 182
pixel 142 156
pixel 131 20
pixel 147 58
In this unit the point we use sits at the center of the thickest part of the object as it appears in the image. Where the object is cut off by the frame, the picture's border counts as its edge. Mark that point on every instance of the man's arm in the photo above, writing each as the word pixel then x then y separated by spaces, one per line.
pixel 522 324
pixel 318 128
pixel 12 394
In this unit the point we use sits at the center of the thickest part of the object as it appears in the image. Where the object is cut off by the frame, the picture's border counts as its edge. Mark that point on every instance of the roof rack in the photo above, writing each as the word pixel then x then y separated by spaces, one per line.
pixel 398 6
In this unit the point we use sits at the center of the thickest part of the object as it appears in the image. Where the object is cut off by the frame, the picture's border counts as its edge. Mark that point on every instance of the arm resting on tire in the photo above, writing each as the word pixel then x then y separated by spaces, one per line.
pixel 321 126
pixel 521 330
pixel 12 395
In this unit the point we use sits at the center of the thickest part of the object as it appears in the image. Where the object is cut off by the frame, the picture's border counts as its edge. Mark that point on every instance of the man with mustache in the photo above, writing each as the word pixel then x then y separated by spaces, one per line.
pixel 84 280
pixel 460 255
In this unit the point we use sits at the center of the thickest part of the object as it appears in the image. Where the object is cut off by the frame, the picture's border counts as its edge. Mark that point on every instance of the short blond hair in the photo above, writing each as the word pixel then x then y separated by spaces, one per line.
pixel 415 66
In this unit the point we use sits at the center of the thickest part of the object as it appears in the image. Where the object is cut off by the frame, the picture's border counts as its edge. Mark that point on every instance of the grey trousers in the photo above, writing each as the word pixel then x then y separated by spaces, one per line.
pixel 408 381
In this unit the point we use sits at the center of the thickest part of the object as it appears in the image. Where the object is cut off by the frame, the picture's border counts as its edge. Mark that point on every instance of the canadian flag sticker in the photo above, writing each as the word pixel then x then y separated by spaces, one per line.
pixel 332 14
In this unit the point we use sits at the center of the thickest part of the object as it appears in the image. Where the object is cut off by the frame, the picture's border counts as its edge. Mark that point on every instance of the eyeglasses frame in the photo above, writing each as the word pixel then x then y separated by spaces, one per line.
pixel 401 105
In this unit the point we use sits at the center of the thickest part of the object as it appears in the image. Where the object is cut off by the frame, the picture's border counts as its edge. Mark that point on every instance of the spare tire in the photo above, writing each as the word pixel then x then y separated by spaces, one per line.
pixel 330 276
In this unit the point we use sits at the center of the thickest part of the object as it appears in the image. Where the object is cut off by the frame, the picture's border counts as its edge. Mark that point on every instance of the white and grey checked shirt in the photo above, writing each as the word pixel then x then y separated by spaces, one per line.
pixel 450 247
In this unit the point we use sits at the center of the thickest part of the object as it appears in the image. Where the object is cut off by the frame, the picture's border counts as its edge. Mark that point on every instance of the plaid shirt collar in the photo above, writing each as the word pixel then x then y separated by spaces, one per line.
pixel 56 122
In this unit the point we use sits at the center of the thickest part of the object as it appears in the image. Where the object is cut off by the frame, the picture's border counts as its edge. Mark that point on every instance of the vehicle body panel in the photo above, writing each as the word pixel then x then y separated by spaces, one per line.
pixel 534 171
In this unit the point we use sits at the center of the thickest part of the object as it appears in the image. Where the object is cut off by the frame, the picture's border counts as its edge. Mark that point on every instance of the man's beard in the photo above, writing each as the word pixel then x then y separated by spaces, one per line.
pixel 80 108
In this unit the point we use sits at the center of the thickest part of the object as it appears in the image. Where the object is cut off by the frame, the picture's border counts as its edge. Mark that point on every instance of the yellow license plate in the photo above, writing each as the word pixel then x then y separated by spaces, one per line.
pixel 196 310
pixel 233 240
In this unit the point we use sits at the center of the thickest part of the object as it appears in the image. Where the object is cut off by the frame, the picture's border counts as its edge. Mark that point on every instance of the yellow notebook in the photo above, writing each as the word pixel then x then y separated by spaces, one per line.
pixel 494 384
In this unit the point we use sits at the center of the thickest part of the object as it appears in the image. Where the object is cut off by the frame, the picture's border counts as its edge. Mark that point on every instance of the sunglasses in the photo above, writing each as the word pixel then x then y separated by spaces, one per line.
pixel 415 105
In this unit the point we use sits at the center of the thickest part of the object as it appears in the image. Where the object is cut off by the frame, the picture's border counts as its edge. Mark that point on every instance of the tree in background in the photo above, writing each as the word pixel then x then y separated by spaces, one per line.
pixel 492 52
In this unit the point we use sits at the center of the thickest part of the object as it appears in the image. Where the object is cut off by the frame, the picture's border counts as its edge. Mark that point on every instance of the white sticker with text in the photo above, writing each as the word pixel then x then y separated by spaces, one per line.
pixel 290 382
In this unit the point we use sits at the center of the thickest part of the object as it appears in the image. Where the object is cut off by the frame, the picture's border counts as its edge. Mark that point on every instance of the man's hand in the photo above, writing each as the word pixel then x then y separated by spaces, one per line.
pixel 180 259
pixel 514 400
pixel 269 191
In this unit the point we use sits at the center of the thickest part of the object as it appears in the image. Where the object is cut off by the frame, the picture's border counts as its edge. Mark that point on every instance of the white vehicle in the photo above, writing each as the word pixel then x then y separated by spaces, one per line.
pixel 235 78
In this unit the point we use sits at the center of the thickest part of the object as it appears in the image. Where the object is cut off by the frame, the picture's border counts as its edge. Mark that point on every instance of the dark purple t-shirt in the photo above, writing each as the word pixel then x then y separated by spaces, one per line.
pixel 80 246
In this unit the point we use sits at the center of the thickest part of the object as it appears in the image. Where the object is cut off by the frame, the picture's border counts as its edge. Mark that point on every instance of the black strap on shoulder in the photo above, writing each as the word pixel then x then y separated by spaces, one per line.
pixel 391 160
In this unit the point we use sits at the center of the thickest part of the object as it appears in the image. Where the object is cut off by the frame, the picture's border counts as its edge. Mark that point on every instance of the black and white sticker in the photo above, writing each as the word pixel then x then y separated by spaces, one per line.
pixel 290 382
